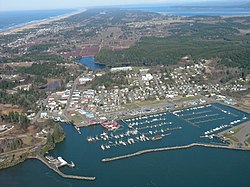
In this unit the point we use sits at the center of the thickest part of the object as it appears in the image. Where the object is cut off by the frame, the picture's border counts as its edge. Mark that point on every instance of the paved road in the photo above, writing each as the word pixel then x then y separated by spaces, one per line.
pixel 65 114
pixel 157 84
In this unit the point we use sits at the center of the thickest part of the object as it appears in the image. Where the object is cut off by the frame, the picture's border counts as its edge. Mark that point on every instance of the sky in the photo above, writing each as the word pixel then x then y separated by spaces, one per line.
pixel 6 5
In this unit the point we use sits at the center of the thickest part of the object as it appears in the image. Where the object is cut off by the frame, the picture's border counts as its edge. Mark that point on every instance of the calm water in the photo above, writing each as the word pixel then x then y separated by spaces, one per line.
pixel 191 167
pixel 182 11
pixel 13 19
pixel 89 61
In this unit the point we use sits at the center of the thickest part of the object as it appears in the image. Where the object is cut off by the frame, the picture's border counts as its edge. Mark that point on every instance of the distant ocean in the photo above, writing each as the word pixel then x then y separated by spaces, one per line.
pixel 13 19
pixel 195 11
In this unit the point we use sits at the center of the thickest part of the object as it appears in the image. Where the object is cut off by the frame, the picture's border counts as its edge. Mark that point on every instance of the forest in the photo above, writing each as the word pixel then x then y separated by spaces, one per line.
pixel 154 51
pixel 15 117
pixel 25 99
pixel 46 69
pixel 200 40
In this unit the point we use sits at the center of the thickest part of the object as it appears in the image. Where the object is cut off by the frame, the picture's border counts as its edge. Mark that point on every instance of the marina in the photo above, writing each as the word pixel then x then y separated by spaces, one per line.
pixel 94 150
pixel 161 136
pixel 195 124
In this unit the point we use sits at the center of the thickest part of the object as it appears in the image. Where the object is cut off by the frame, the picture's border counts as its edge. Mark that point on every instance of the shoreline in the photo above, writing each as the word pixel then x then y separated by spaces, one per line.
pixel 173 148
pixel 42 22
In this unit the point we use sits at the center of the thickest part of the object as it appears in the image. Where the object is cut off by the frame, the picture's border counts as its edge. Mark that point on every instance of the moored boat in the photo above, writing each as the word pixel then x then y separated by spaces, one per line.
pixel 158 137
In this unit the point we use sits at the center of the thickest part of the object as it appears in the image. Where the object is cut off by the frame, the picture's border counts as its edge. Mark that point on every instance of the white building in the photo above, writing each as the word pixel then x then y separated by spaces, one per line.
pixel 44 115
pixel 84 80
pixel 147 77
pixel 129 68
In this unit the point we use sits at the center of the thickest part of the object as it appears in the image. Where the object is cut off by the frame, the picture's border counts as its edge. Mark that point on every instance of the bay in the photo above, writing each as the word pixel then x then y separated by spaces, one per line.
pixel 195 11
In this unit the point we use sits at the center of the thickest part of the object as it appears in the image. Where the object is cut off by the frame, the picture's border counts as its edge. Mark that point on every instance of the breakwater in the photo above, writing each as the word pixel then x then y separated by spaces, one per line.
pixel 172 148
pixel 61 173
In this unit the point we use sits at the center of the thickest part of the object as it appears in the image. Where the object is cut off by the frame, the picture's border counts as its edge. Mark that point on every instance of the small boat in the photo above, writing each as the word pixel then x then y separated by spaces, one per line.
pixel 102 146
pixel 158 137
pixel 72 165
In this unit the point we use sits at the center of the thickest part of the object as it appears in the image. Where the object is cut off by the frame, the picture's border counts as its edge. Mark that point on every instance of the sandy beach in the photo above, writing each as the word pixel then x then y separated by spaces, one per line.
pixel 33 25
pixel 235 16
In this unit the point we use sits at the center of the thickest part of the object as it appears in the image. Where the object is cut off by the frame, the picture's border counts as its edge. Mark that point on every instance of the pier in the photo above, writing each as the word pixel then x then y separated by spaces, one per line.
pixel 202 112
pixel 199 117
pixel 230 113
pixel 78 129
pixel 209 120
pixel 172 148
pixel 61 173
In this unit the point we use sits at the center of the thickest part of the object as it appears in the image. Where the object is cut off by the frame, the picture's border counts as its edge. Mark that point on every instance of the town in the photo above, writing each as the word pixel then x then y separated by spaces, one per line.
pixel 134 76
pixel 139 91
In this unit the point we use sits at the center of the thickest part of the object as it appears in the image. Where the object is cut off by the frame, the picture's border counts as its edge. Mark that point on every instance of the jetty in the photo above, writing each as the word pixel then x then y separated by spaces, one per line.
pixel 173 148
pixel 78 129
pixel 43 160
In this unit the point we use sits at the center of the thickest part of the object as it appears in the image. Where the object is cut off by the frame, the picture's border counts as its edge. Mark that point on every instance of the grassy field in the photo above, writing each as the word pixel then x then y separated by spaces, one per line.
pixel 230 135
pixel 148 103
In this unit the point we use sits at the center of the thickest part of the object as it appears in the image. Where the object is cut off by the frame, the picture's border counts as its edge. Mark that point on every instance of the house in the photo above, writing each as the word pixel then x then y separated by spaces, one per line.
pixel 44 114
pixel 147 77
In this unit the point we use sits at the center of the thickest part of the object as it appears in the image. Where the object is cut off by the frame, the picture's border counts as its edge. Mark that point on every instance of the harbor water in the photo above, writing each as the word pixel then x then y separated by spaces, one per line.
pixel 197 166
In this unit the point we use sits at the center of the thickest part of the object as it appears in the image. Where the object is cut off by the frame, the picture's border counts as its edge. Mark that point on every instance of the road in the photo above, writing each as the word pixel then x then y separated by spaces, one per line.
pixel 65 114
pixel 157 84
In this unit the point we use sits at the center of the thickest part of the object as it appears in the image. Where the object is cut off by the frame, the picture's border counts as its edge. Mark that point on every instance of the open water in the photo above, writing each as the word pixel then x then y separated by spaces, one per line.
pixel 13 19
pixel 195 11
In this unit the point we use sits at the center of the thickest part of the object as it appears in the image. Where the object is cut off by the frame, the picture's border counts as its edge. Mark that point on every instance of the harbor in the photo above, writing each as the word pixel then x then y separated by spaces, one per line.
pixel 180 147
pixel 134 132
pixel 141 141
pixel 195 124
pixel 199 125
